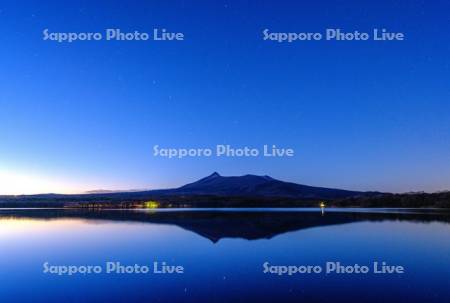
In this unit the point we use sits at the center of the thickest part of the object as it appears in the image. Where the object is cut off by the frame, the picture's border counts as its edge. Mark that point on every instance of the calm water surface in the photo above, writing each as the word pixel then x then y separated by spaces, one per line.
pixel 223 253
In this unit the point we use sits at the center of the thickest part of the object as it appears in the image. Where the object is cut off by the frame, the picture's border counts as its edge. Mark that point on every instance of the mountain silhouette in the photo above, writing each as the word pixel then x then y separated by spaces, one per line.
pixel 263 186
pixel 212 191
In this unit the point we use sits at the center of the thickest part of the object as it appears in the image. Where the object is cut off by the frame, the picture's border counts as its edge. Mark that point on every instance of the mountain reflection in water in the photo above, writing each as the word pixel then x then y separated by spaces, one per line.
pixel 250 224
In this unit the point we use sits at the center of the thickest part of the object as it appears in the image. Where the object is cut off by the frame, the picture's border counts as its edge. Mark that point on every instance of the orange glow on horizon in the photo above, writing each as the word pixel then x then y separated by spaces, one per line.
pixel 12 183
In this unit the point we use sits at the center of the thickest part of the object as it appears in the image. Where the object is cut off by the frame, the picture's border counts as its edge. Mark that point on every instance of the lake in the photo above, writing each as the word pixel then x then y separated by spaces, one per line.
pixel 224 255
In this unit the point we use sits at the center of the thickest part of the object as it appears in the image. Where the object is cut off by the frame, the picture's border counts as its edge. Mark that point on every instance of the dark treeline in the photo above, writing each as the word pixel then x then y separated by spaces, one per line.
pixel 439 200
pixel 414 200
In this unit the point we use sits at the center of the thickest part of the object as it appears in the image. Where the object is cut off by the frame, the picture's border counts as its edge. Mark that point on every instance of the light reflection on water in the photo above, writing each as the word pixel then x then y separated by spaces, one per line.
pixel 223 253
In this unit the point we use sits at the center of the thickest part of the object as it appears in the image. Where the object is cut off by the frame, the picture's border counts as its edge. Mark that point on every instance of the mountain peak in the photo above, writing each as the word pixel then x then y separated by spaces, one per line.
pixel 211 178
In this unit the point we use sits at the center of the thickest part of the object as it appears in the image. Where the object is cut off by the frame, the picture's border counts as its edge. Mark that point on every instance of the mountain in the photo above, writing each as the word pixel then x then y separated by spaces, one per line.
pixel 212 191
pixel 243 191
pixel 264 186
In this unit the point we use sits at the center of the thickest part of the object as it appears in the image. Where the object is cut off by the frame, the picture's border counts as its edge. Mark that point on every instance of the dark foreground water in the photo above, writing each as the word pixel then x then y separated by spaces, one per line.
pixel 223 255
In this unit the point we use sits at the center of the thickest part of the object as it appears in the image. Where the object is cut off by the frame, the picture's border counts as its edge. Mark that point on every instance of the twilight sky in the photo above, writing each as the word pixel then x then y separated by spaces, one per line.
pixel 361 115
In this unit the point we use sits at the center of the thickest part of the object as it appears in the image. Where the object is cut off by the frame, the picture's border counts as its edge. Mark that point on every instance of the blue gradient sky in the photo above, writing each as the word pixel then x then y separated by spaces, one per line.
pixel 360 115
